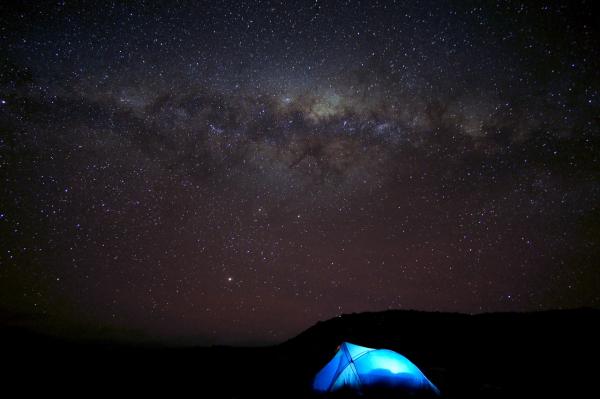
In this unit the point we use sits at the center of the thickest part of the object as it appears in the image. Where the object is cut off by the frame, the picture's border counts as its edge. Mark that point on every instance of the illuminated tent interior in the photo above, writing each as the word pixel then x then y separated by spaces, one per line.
pixel 359 369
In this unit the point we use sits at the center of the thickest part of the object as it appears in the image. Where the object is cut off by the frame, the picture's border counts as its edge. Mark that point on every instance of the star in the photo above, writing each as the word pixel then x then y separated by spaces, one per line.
pixel 412 150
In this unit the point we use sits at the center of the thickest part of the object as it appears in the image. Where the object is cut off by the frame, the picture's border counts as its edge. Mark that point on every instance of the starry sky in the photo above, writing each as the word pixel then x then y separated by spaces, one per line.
pixel 234 171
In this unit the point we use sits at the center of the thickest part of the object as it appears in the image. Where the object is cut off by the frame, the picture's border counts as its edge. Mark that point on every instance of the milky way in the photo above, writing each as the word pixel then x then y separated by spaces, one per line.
pixel 234 172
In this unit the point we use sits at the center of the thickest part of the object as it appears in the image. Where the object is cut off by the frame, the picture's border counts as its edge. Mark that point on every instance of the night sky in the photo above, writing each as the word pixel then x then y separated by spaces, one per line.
pixel 233 172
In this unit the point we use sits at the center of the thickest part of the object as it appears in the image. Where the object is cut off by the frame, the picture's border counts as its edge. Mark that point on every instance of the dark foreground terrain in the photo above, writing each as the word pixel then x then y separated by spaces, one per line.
pixel 545 354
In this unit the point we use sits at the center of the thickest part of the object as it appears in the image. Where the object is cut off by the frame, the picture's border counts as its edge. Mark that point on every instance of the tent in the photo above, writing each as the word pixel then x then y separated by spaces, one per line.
pixel 360 369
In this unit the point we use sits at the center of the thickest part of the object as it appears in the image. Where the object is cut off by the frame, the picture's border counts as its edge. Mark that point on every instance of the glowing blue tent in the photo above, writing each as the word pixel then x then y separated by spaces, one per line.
pixel 358 368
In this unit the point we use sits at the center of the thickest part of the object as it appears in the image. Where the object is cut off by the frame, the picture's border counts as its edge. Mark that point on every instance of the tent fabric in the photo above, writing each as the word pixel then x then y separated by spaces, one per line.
pixel 359 368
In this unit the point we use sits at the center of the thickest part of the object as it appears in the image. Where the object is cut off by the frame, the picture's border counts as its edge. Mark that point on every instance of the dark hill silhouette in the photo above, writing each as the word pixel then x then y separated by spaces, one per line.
pixel 541 354
pixel 486 355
